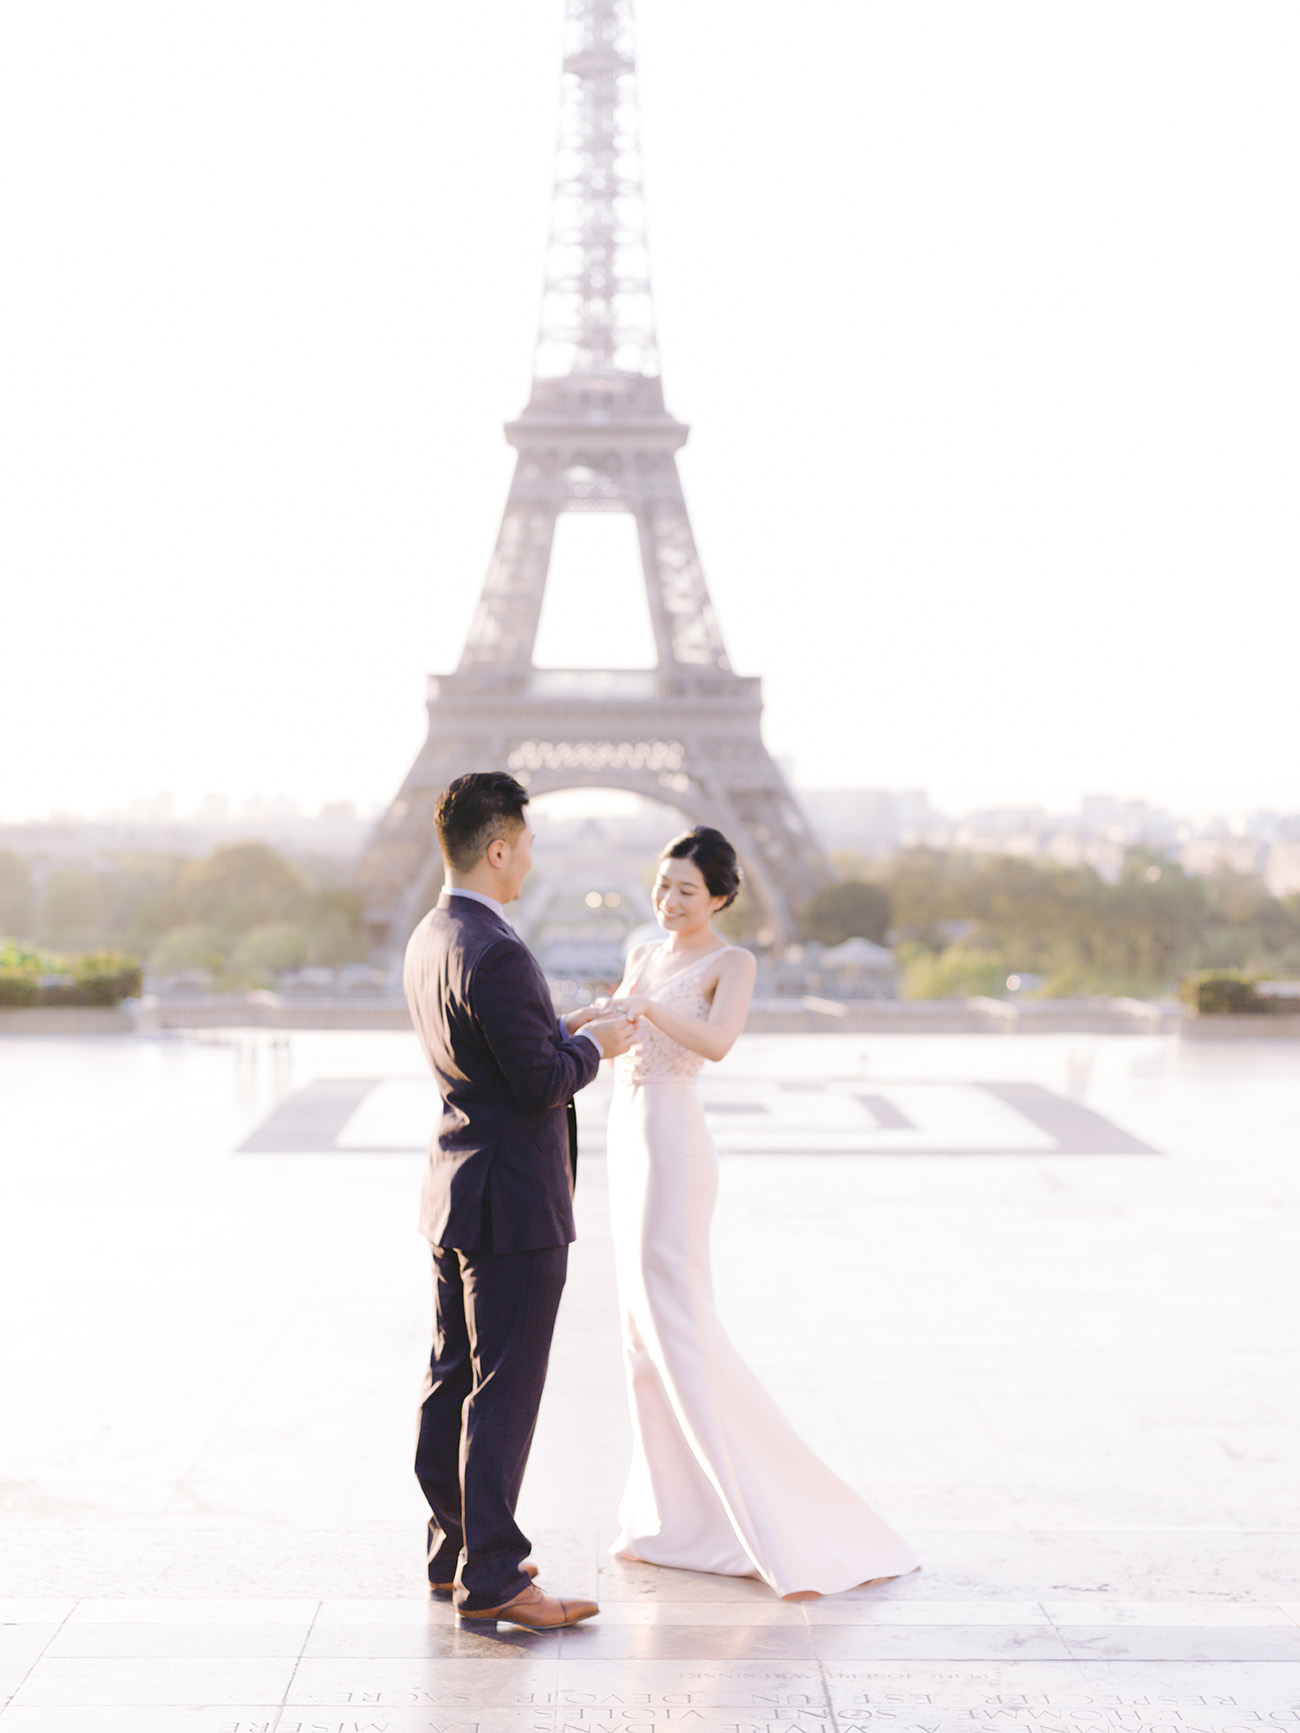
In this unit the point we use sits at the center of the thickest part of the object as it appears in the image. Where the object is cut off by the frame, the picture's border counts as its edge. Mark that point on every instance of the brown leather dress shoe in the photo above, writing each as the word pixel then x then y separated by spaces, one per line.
pixel 529 1570
pixel 537 1611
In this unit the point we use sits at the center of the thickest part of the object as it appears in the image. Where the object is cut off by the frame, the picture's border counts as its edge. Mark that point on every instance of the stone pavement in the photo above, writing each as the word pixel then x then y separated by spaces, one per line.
pixel 1034 1296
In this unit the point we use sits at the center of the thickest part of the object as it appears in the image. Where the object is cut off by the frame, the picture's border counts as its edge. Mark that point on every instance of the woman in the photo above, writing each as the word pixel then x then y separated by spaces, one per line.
pixel 719 1479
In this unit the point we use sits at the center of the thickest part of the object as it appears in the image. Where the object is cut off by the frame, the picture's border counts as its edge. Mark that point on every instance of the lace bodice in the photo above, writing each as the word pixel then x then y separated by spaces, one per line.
pixel 657 1058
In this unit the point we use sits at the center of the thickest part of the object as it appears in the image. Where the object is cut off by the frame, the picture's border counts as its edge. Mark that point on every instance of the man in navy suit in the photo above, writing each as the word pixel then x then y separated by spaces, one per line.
pixel 497 1202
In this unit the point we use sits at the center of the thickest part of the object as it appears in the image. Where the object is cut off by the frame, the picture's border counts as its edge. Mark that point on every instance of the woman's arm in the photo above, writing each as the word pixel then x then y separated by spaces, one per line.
pixel 716 1037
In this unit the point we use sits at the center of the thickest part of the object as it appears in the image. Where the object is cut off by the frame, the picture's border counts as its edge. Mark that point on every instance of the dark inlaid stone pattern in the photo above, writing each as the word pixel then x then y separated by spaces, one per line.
pixel 309 1121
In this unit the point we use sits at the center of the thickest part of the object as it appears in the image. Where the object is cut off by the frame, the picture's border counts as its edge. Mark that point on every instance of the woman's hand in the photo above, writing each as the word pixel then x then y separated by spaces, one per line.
pixel 603 1007
pixel 714 1037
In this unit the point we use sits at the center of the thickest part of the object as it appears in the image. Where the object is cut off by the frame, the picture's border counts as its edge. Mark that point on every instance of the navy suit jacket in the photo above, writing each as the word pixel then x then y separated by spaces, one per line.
pixel 499 1176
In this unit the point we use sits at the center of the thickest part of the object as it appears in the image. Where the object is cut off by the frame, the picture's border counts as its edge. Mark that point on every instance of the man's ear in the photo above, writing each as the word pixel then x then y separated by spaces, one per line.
pixel 496 852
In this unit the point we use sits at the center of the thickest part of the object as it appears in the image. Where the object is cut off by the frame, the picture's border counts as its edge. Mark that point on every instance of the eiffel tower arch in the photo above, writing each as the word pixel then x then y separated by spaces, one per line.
pixel 595 436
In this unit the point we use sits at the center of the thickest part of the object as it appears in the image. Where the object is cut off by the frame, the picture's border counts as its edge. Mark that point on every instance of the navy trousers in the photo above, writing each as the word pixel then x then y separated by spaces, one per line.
pixel 493 1319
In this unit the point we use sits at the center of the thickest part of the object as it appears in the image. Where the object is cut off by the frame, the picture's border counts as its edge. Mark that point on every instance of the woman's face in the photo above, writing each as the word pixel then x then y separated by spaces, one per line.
pixel 681 897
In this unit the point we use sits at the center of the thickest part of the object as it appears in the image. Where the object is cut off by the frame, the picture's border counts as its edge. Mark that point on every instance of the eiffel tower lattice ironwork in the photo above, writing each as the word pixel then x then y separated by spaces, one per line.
pixel 595 437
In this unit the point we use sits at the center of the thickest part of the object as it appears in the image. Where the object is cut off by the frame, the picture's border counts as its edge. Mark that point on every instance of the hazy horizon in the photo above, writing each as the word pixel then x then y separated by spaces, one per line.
pixel 261 808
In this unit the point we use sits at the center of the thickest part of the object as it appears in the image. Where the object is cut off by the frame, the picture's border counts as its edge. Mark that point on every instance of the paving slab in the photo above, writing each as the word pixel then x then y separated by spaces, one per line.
pixel 1035 1297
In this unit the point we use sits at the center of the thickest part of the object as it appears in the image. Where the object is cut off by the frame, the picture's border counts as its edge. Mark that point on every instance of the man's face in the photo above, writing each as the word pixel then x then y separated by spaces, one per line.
pixel 516 862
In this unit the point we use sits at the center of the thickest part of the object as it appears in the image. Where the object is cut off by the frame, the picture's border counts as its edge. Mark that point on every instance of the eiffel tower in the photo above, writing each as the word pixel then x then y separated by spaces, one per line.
pixel 595 437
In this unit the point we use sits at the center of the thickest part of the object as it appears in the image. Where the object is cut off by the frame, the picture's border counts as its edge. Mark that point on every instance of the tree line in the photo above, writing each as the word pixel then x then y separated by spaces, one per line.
pixel 964 923
pixel 961 923
pixel 241 915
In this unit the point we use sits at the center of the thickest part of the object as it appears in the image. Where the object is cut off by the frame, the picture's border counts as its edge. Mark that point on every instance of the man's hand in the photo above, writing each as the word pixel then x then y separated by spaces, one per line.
pixel 614 1034
pixel 575 1020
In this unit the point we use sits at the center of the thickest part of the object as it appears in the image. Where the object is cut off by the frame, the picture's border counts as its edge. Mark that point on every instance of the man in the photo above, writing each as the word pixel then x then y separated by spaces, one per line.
pixel 497 1199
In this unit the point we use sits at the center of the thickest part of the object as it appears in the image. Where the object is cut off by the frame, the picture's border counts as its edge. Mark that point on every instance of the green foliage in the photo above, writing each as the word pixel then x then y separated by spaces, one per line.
pixel 264 951
pixel 17 902
pixel 183 950
pixel 849 910
pixel 1217 993
pixel 14 954
pixel 334 940
pixel 238 888
pixel 32 977
pixel 1084 935
pixel 98 978
pixel 136 897
pixel 72 909
pixel 188 915
pixel 743 920
pixel 17 990
pixel 959 972
pixel 20 971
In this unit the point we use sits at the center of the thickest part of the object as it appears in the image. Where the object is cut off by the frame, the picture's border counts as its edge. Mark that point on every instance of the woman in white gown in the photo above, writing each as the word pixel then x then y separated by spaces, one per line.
pixel 719 1481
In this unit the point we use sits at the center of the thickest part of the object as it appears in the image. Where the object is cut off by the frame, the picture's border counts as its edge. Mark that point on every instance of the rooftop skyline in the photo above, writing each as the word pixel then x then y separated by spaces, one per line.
pixel 1095 811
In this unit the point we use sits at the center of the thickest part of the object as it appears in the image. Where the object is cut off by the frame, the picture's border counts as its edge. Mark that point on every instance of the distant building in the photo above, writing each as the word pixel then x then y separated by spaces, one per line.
pixel 858 969
pixel 1207 855
pixel 871 821
pixel 1282 874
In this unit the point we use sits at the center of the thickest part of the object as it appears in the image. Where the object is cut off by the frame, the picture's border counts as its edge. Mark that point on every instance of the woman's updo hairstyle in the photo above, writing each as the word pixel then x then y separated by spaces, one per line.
pixel 714 856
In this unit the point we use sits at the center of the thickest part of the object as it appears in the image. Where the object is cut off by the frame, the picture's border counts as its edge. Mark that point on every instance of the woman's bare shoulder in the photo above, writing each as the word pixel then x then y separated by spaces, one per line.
pixel 737 962
pixel 737 967
pixel 638 953
pixel 638 956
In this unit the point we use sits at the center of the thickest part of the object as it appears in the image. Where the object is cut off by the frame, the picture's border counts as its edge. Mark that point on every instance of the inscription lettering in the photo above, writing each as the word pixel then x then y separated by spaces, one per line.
pixel 328 1727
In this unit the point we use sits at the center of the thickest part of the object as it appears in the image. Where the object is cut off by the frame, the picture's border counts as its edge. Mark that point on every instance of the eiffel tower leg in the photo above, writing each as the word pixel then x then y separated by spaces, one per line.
pixel 780 852
pixel 686 628
pixel 743 794
pixel 505 622
pixel 400 874
pixel 401 870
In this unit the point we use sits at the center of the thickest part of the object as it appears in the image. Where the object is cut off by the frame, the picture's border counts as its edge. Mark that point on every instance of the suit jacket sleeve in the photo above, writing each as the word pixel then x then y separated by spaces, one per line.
pixel 543 1065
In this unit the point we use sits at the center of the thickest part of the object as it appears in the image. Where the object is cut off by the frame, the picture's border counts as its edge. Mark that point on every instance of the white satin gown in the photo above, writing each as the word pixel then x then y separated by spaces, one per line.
pixel 719 1481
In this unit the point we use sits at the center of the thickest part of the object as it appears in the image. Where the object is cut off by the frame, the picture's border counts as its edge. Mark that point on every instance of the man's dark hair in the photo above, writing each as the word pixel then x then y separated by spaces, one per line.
pixel 474 811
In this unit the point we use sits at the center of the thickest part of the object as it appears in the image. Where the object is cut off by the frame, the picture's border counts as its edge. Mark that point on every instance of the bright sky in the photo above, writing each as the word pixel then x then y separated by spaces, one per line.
pixel 984 317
